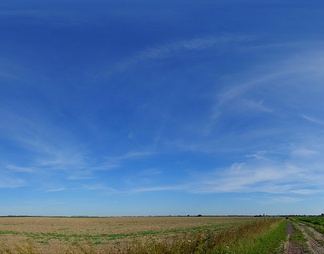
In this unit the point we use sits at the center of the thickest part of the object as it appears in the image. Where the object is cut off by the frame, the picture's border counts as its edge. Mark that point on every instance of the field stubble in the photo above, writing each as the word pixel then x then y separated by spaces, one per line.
pixel 122 234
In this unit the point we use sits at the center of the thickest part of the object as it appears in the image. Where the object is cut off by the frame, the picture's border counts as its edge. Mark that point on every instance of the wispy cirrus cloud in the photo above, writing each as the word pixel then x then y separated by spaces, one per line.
pixel 284 73
pixel 262 110
pixel 313 120
pixel 262 179
pixel 290 174
pixel 15 168
pixel 52 152
pixel 132 155
pixel 169 49
pixel 11 182
pixel 262 172
pixel 254 105
pixel 283 200
pixel 300 172
pixel 158 189
pixel 57 189
pixel 47 148
pixel 265 176
pixel 304 152
pixel 110 162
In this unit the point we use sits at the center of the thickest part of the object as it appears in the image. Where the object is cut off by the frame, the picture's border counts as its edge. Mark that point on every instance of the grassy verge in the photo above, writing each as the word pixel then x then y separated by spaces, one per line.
pixel 270 239
pixel 315 222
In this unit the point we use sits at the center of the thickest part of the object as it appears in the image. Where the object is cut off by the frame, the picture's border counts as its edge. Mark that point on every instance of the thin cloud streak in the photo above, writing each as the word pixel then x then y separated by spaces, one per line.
pixel 14 168
pixel 291 67
pixel 262 176
pixel 158 189
pixel 9 182
pixel 283 200
pixel 169 49
pixel 313 120
pixel 52 148
pixel 132 155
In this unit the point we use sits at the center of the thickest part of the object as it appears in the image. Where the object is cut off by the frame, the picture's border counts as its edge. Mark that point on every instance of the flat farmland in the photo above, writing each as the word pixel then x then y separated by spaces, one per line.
pixel 115 234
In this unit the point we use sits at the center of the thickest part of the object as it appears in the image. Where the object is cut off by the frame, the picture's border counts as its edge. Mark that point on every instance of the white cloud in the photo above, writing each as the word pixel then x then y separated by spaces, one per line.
pixel 50 148
pixel 168 49
pixel 58 189
pixel 239 87
pixel 11 182
pixel 313 120
pixel 53 151
pixel 252 105
pixel 99 187
pixel 264 176
pixel 289 73
pixel 284 200
pixel 304 152
pixel 131 155
pixel 150 172
pixel 160 188
pixel 134 155
pixel 15 168
pixel 259 155
pixel 240 178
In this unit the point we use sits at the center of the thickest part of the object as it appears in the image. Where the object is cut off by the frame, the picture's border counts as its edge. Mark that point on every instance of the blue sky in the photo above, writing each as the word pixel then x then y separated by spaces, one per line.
pixel 161 107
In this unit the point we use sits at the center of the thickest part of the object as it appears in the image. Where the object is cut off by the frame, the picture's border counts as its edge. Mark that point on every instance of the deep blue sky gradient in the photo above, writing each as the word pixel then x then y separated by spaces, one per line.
pixel 161 107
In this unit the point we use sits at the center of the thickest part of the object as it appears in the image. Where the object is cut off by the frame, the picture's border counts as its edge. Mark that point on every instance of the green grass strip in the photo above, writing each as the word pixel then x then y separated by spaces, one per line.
pixel 270 242
pixel 314 222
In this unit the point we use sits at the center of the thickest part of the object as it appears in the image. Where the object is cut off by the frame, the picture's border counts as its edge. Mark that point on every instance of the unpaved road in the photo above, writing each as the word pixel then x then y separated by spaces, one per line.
pixel 290 247
pixel 315 240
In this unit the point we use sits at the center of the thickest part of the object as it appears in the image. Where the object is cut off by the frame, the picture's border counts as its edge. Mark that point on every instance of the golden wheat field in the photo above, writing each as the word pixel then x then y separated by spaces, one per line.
pixel 101 235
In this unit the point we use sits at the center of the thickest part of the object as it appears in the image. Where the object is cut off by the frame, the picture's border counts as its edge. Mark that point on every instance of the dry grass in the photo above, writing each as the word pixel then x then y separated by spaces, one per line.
pixel 112 225
pixel 122 235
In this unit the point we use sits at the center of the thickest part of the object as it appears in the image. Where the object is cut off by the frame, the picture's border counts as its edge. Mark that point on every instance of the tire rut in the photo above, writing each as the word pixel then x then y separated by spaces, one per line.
pixel 315 240
pixel 292 248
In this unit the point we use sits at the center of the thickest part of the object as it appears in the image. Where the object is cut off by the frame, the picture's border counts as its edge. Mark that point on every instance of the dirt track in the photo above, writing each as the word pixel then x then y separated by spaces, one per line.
pixel 292 248
pixel 315 240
